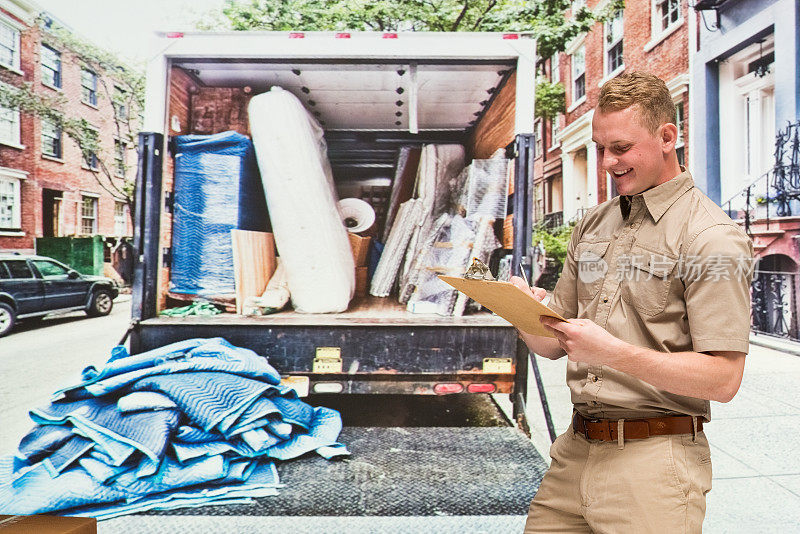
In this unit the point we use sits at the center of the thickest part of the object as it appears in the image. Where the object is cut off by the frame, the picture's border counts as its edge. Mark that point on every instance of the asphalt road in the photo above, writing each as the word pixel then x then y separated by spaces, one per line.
pixel 39 358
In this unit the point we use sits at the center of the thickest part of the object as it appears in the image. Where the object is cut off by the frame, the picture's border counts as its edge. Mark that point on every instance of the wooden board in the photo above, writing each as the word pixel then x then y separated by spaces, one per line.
pixel 253 263
pixel 496 128
pixel 508 301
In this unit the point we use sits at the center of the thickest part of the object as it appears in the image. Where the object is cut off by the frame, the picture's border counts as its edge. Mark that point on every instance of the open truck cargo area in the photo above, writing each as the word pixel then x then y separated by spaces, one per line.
pixel 372 94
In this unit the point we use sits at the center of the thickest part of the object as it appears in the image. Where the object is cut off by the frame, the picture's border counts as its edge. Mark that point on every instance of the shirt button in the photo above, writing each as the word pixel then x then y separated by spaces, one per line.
pixel 594 379
pixel 605 299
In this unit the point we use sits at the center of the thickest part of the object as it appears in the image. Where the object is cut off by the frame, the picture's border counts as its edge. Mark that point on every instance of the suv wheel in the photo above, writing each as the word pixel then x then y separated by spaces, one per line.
pixel 101 304
pixel 7 319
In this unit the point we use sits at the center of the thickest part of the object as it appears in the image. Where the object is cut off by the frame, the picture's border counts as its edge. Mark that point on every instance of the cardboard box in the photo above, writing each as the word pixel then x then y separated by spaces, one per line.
pixel 361 281
pixel 47 524
pixel 360 246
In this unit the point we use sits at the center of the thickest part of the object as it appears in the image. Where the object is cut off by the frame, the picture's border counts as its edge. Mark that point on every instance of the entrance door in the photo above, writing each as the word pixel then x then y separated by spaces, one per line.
pixel 51 212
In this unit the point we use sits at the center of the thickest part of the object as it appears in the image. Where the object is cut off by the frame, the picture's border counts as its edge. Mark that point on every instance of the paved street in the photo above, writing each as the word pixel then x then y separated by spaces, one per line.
pixel 54 352
pixel 755 443
pixel 754 438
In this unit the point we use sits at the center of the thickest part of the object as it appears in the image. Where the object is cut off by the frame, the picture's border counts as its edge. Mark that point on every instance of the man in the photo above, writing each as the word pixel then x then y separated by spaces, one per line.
pixel 655 288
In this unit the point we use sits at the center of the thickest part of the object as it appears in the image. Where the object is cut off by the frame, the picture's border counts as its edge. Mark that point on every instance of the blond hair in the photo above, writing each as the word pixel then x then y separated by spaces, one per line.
pixel 647 92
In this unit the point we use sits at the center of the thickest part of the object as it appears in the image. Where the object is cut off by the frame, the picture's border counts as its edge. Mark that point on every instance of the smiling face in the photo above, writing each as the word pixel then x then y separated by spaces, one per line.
pixel 636 158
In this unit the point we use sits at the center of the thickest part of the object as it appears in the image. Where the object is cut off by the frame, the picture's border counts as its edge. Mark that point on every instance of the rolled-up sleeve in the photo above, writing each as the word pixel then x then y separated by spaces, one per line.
pixel 717 271
pixel 565 296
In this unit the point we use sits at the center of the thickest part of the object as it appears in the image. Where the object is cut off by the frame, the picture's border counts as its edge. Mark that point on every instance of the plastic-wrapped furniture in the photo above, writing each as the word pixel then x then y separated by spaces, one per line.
pixel 311 238
pixel 217 189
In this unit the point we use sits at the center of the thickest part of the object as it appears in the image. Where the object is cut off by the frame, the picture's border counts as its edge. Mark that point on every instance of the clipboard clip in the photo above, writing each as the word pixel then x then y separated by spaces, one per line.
pixel 478 271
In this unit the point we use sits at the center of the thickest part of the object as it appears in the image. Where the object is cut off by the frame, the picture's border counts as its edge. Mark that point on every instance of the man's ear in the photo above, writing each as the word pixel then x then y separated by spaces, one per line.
pixel 668 135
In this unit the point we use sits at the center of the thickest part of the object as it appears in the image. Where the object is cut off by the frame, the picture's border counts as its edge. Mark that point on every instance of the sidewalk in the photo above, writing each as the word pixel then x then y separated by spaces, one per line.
pixel 755 442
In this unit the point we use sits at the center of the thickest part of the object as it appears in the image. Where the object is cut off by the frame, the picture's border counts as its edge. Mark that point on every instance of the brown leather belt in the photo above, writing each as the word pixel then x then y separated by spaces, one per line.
pixel 606 429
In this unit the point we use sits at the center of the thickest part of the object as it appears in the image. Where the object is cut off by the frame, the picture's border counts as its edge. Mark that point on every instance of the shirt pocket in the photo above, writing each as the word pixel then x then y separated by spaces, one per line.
pixel 646 280
pixel 592 268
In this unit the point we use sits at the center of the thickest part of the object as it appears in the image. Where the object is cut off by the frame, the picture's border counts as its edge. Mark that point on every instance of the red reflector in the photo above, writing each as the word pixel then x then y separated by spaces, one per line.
pixel 481 388
pixel 510 36
pixel 343 36
pixel 296 35
pixel 444 389
pixel 390 36
pixel 174 35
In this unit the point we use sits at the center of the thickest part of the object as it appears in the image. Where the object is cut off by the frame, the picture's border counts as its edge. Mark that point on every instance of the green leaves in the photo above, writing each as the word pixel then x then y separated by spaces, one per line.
pixel 550 99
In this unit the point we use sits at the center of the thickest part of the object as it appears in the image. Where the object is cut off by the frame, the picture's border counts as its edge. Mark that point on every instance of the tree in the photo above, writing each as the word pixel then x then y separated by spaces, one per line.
pixel 544 19
pixel 118 83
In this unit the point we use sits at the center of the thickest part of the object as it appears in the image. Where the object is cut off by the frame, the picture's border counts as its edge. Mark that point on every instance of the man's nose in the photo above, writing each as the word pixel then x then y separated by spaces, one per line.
pixel 608 160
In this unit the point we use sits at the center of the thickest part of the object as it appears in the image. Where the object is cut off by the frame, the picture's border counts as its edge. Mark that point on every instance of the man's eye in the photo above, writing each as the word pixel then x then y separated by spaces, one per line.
pixel 623 148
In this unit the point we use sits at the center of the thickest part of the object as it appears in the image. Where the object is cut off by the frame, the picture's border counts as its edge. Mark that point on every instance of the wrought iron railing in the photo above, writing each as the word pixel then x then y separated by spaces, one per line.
pixel 776 193
pixel 553 220
pixel 774 304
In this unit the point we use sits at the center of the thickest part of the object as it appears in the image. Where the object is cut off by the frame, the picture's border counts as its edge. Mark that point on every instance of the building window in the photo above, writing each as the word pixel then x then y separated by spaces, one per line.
pixel 679 143
pixel 579 74
pixel 89 87
pixel 9 203
pixel 555 69
pixel 51 67
pixel 9 46
pixel 9 126
pixel 51 139
pixel 88 215
pixel 614 31
pixel 120 226
pixel 91 161
pixel 537 146
pixel 667 13
pixel 121 103
pixel 119 157
pixel 555 127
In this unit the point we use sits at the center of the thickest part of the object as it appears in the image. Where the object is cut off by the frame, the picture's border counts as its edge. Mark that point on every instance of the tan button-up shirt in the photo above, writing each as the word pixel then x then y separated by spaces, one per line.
pixel 671 275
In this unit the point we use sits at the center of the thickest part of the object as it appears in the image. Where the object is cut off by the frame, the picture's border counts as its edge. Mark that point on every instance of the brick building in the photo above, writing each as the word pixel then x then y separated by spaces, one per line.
pixel 46 186
pixel 648 35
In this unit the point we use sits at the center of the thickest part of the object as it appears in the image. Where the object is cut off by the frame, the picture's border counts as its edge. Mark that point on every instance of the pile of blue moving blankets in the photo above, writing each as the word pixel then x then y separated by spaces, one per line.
pixel 192 423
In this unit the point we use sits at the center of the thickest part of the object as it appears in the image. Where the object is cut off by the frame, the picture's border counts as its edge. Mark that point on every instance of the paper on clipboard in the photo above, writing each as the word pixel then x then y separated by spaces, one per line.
pixel 506 300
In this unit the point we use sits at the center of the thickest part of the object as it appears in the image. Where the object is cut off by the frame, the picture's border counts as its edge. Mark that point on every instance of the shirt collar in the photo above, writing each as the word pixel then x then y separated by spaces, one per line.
pixel 658 199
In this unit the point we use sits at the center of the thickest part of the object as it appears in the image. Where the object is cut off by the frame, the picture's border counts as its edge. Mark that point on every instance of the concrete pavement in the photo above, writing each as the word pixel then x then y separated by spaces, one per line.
pixel 755 443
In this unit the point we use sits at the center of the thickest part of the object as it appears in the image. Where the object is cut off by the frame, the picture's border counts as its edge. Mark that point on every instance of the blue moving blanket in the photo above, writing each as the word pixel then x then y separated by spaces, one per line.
pixel 192 423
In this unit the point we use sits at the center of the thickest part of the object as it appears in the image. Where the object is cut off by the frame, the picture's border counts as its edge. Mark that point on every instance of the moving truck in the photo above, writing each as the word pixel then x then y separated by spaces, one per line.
pixel 372 93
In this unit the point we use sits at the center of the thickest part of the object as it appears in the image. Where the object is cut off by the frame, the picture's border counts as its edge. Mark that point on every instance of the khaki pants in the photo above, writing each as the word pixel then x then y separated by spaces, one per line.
pixel 658 484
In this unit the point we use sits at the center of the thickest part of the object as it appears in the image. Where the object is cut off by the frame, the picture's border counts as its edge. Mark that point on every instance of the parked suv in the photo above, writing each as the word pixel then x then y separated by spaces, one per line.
pixel 33 286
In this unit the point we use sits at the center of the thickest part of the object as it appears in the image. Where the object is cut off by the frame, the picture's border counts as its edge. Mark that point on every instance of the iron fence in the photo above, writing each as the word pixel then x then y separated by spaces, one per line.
pixel 774 304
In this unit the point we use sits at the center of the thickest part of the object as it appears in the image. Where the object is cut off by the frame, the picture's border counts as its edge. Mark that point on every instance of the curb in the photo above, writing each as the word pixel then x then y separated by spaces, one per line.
pixel 775 343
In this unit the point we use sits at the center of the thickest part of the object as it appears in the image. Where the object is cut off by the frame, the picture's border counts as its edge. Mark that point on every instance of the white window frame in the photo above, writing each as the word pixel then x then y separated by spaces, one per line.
pixel 92 90
pixel 555 129
pixel 120 158
pixel 15 139
pixel 13 177
pixel 14 66
pixel 60 154
pixel 608 45
pixel 577 102
pixel 555 68
pixel 60 72
pixel 657 33
pixel 81 217
pixel 120 219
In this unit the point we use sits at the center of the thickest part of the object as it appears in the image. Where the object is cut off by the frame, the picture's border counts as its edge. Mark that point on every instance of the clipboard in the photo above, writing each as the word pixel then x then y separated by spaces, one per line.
pixel 506 300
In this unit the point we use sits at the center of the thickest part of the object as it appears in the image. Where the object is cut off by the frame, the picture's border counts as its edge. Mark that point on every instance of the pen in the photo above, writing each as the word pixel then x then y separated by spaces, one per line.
pixel 524 276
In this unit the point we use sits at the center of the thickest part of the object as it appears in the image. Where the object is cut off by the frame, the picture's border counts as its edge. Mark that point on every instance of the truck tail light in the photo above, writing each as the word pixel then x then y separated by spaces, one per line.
pixel 481 388
pixel 447 388
pixel 343 36
pixel 390 36
pixel 511 36
pixel 296 35
pixel 174 35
